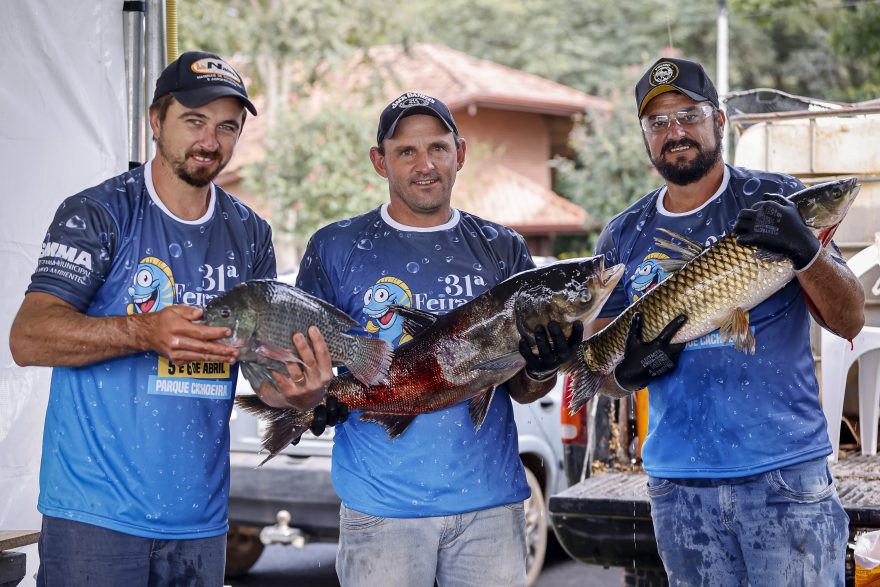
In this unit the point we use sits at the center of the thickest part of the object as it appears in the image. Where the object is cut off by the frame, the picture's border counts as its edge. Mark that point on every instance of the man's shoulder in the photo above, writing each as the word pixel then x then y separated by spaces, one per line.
pixel 231 204
pixel 754 183
pixel 107 192
pixel 487 228
pixel 353 225
pixel 632 212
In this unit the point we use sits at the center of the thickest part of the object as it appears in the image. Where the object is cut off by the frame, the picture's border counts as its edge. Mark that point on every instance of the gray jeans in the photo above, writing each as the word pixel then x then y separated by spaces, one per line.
pixel 485 547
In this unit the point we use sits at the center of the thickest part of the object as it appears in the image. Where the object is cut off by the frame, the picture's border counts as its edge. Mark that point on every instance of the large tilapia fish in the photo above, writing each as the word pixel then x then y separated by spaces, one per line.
pixel 462 355
pixel 713 286
pixel 263 314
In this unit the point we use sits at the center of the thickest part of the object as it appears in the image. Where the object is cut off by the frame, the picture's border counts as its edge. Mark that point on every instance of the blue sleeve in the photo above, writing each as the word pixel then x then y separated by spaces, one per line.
pixel 312 278
pixel 77 252
pixel 264 265
pixel 521 258
pixel 617 301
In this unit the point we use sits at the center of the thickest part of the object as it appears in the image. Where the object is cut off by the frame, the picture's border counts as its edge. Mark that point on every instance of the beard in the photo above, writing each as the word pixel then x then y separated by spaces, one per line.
pixel 689 172
pixel 199 177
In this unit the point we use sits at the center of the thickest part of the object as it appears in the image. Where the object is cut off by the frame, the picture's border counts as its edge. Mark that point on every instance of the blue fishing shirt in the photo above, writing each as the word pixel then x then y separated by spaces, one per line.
pixel 137 444
pixel 722 413
pixel 439 465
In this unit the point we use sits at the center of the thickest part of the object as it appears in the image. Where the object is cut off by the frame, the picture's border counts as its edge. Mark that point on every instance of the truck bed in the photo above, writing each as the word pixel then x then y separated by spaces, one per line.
pixel 606 519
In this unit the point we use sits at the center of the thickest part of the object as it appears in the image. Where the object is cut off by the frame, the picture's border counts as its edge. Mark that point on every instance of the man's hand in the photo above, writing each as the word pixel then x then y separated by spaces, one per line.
pixel 330 413
pixel 774 224
pixel 643 361
pixel 304 385
pixel 173 333
pixel 554 350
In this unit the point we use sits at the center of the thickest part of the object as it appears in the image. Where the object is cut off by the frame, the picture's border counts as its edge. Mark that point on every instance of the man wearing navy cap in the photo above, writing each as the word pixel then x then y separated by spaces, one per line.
pixel 135 469
pixel 442 500
pixel 736 449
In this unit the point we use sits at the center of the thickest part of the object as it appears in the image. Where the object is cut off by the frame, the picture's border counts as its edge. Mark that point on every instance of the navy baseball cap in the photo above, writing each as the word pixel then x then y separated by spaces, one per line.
pixel 408 104
pixel 197 78
pixel 669 74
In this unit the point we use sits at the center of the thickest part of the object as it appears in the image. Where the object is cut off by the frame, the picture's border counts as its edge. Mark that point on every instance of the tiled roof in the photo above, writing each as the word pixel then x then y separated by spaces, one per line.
pixel 502 195
pixel 461 81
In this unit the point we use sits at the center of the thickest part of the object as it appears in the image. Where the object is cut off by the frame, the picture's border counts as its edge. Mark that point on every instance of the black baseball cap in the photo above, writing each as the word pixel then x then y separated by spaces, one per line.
pixel 408 104
pixel 196 78
pixel 669 74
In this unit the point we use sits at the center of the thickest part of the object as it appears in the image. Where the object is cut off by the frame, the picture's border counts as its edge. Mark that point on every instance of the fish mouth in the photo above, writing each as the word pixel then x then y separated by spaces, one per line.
pixel 612 275
pixel 386 318
pixel 146 303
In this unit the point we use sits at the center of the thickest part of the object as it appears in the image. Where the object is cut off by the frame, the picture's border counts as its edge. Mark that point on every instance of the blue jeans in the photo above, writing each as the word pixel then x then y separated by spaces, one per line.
pixel 485 547
pixel 781 528
pixel 75 554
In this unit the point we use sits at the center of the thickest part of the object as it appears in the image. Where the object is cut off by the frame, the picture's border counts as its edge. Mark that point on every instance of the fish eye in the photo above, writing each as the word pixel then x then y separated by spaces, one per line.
pixel 144 278
pixel 381 295
pixel 368 297
pixel 225 312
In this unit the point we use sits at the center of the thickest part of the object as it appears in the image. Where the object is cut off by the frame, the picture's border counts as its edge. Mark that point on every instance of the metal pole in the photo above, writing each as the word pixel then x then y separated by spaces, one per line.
pixel 722 81
pixel 133 41
pixel 155 60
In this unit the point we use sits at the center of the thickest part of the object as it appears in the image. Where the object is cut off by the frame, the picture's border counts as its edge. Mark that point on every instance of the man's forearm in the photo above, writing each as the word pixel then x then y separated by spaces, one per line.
pixel 524 389
pixel 63 337
pixel 836 293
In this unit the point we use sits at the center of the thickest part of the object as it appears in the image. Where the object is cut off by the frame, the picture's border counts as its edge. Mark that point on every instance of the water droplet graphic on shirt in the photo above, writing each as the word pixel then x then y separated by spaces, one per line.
pixel 478 267
pixel 437 247
pixel 502 264
pixel 225 216
pixel 365 244
pixel 76 223
pixel 155 412
pixel 489 232
pixel 230 255
pixel 425 260
pixel 449 259
pixel 640 226
pixel 175 250
pixel 751 186
pixel 412 267
pixel 187 244
pixel 356 289
pixel 344 223
pixel 202 229
pixel 242 211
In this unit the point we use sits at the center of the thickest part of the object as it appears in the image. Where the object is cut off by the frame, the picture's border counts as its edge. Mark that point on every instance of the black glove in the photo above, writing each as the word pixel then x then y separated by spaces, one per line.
pixel 330 413
pixel 643 361
pixel 774 224
pixel 550 357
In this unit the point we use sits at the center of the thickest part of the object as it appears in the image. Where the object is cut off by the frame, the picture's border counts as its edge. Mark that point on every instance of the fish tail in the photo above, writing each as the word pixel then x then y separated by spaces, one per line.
pixel 369 359
pixel 585 383
pixel 284 425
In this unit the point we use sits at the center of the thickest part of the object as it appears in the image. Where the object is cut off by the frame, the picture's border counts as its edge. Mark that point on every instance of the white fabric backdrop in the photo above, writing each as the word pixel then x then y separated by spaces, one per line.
pixel 62 129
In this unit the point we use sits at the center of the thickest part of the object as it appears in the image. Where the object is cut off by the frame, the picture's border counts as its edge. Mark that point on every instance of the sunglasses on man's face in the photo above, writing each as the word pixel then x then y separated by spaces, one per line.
pixel 659 123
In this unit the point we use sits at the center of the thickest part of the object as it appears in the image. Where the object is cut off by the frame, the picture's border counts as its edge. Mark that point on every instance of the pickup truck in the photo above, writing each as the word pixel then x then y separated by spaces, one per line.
pixel 604 517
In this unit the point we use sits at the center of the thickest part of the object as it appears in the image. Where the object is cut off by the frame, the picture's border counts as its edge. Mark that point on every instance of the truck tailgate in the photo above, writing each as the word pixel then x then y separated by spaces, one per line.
pixel 606 519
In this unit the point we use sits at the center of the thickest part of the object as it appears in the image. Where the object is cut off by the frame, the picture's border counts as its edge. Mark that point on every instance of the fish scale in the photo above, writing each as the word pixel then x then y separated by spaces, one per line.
pixel 713 288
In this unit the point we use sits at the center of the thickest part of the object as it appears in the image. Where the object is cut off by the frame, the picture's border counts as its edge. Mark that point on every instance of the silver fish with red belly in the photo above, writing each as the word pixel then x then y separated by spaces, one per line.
pixel 460 356
pixel 713 286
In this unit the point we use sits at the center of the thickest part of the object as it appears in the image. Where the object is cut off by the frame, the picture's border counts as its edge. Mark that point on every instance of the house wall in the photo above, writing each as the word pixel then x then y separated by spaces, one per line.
pixel 520 140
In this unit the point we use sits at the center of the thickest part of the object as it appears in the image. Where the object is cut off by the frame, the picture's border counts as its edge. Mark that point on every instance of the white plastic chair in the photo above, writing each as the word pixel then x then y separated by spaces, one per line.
pixel 837 358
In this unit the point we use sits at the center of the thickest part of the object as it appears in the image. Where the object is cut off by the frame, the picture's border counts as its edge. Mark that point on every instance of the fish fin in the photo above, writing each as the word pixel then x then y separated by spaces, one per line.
pixel 284 425
pixel 670 265
pixel 735 327
pixel 394 424
pixel 688 250
pixel 256 374
pixel 368 359
pixel 583 382
pixel 504 362
pixel 275 352
pixel 414 321
pixel 478 407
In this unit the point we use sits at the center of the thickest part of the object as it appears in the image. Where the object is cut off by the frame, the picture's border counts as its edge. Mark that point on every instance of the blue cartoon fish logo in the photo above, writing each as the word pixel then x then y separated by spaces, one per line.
pixel 152 288
pixel 648 275
pixel 387 291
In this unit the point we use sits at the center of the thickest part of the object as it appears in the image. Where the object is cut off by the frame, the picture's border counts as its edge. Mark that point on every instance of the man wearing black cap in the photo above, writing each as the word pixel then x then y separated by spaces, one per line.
pixel 736 445
pixel 135 465
pixel 442 500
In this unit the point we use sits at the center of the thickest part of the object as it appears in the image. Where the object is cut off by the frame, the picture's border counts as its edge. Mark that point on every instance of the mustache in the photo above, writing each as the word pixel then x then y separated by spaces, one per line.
pixel 685 142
